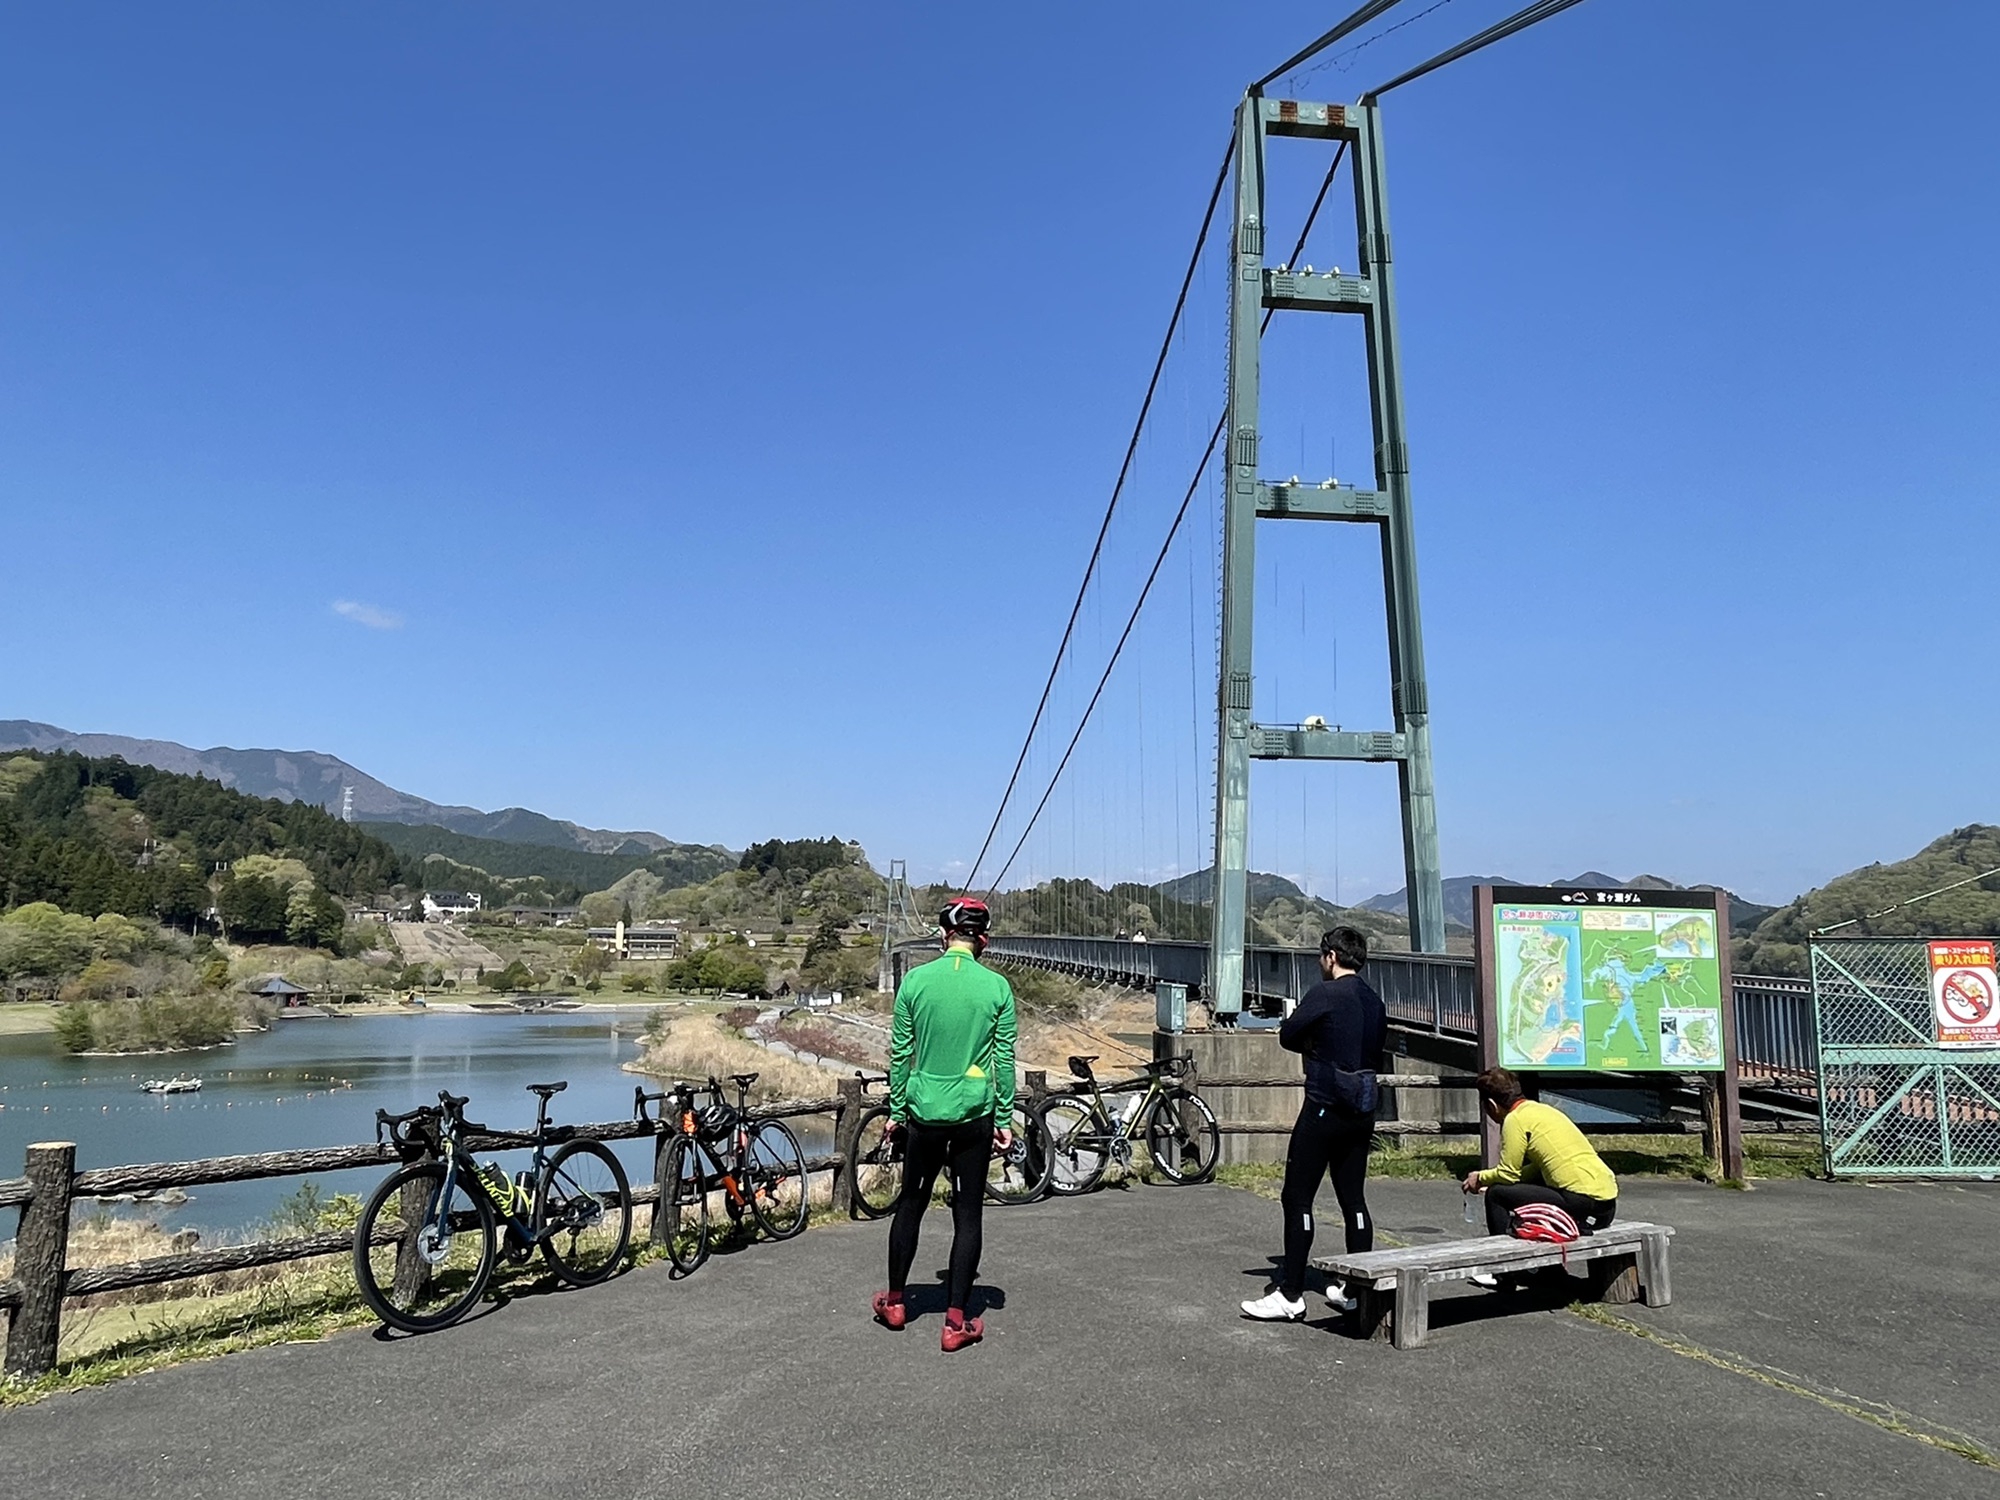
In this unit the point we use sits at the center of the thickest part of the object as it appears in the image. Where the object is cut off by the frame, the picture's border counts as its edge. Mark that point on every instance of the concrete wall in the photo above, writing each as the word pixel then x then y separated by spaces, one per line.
pixel 1256 1054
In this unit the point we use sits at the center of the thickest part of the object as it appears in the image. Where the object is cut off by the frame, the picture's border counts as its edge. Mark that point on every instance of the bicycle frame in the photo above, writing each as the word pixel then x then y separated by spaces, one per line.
pixel 1108 1126
pixel 713 1171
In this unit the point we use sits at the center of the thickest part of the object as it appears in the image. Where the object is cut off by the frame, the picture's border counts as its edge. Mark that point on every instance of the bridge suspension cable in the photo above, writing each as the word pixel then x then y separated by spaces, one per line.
pixel 1173 530
pixel 1110 509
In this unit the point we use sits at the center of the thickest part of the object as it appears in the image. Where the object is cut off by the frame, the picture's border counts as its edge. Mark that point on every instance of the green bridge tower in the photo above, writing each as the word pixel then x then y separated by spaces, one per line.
pixel 1368 294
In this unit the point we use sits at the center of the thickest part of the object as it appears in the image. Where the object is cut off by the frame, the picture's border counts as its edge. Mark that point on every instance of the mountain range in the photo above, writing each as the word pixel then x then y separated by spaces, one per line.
pixel 315 777
pixel 1743 915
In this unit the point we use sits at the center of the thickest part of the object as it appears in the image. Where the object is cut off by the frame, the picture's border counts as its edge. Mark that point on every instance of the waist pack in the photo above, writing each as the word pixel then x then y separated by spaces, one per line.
pixel 1356 1091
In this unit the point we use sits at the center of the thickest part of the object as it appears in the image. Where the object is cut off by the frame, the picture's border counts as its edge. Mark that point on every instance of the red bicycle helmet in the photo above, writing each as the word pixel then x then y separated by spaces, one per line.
pixel 966 917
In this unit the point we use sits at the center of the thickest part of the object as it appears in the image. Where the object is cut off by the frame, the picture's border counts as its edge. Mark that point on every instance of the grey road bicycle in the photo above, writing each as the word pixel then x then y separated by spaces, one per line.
pixel 1084 1135
pixel 430 1236
pixel 1017 1175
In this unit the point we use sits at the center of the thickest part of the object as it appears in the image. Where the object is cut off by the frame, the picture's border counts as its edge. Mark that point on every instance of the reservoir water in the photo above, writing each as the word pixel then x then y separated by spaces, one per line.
pixel 310 1083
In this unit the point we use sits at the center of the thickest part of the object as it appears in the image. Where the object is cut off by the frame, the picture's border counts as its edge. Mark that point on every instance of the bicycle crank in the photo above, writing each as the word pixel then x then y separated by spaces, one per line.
pixel 1121 1154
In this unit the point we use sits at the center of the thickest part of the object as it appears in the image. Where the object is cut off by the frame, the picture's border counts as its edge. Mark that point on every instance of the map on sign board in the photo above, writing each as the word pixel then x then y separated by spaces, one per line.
pixel 1965 994
pixel 1620 980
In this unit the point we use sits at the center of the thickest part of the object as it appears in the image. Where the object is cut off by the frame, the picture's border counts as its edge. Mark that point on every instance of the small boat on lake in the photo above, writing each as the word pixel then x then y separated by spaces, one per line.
pixel 176 1085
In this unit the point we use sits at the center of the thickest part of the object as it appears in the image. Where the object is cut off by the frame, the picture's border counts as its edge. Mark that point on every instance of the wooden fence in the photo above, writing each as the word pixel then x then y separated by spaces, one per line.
pixel 50 1185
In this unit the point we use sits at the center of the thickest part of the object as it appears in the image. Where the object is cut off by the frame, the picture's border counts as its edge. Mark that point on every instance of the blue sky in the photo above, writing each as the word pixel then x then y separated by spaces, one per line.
pixel 696 419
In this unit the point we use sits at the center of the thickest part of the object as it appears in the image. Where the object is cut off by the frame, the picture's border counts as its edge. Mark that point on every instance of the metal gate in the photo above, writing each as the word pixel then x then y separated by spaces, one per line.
pixel 1893 1103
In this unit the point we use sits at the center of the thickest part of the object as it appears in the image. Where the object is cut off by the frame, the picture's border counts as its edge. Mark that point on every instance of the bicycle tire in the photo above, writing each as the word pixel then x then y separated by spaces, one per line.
pixel 1021 1173
pixel 1183 1138
pixel 684 1202
pixel 775 1180
pixel 405 1276
pixel 583 1213
pixel 1078 1147
pixel 875 1166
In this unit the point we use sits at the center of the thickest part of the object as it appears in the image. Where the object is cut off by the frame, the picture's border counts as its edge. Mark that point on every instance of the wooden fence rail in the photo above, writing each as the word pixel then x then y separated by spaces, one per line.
pixel 43 1279
pixel 44 1195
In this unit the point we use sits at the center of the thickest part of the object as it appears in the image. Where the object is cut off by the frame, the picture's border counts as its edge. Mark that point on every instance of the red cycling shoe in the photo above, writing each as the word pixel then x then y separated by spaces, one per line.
pixel 960 1331
pixel 890 1310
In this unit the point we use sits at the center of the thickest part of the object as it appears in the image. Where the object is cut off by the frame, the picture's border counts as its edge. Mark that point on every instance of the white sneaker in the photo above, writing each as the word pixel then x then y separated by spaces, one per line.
pixel 1490 1283
pixel 1275 1307
pixel 1338 1300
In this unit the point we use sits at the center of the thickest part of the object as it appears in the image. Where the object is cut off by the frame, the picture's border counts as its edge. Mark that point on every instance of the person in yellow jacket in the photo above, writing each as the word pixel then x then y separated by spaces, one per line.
pixel 1543 1159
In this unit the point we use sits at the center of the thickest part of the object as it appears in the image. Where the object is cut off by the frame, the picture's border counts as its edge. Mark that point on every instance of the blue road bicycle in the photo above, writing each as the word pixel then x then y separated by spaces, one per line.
pixel 429 1238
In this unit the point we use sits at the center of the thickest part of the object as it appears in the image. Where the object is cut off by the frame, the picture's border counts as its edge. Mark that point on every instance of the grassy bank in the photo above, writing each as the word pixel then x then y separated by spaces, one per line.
pixel 1766 1157
pixel 25 1017
pixel 700 1044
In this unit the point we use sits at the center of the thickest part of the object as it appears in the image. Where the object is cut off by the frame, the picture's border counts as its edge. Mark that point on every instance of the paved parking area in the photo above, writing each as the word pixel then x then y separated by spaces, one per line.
pixel 1826 1340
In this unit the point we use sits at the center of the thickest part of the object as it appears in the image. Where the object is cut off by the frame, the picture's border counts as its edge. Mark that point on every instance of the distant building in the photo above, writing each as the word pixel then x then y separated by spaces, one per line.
pixel 522 915
pixel 662 940
pixel 380 909
pixel 281 992
pixel 446 906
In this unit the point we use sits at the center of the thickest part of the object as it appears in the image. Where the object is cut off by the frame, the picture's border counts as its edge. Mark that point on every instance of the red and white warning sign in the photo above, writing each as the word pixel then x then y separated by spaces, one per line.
pixel 1965 994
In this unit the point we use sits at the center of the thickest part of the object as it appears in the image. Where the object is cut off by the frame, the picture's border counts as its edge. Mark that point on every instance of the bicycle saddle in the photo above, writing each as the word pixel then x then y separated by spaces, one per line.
pixel 743 1080
pixel 454 1101
pixel 546 1089
pixel 1080 1066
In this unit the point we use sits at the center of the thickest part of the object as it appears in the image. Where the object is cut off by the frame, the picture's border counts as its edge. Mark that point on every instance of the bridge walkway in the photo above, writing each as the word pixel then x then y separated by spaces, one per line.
pixel 1116 1366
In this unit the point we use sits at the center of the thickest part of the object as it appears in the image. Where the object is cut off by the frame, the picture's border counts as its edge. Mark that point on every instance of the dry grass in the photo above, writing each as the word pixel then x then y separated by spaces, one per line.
pixel 697 1046
pixel 17 1019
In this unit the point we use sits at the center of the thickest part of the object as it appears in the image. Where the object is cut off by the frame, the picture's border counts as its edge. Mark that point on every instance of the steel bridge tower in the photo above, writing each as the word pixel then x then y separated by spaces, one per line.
pixel 1369 294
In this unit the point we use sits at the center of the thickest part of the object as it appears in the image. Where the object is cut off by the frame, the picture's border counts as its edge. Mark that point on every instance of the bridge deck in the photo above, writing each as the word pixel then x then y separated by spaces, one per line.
pixel 1116 1366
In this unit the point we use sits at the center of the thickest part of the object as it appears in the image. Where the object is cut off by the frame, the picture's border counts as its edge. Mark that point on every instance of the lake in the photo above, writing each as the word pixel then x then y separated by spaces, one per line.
pixel 313 1083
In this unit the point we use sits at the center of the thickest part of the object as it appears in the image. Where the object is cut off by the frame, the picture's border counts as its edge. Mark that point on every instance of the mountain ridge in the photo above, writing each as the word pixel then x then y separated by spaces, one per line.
pixel 314 777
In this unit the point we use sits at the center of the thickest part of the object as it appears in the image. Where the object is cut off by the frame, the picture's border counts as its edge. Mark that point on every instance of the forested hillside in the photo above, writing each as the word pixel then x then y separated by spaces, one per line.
pixel 93 835
pixel 1778 945
pixel 567 873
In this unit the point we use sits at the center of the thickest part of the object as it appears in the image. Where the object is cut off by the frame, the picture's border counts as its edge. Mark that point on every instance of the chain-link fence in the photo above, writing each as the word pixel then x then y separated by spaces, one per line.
pixel 1892 1101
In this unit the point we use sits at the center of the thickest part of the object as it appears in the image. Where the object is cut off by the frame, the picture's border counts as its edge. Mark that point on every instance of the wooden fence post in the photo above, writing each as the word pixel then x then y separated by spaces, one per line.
pixel 41 1254
pixel 846 1133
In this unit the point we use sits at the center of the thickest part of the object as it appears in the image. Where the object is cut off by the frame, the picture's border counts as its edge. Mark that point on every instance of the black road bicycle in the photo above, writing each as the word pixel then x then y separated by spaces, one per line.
pixel 429 1238
pixel 1083 1135
pixel 1017 1175
pixel 716 1151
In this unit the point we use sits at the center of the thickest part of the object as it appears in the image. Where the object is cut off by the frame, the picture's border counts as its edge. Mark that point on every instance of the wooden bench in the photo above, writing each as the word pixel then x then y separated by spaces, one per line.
pixel 1626 1263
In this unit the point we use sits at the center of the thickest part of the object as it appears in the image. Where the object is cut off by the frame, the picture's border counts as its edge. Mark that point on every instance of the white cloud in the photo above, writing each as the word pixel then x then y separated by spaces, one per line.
pixel 367 614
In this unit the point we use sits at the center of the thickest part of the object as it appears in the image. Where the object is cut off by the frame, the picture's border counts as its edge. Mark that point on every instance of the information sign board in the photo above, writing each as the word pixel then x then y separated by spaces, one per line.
pixel 1618 980
pixel 1965 994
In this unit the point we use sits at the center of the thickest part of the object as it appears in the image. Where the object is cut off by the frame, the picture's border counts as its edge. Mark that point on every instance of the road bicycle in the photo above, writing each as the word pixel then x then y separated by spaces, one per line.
pixel 716 1151
pixel 429 1238
pixel 1017 1175
pixel 1083 1135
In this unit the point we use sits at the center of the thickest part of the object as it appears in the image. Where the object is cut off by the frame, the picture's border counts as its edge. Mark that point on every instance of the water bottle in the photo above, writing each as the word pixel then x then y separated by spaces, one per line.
pixel 1472 1208
pixel 498 1188
pixel 1126 1110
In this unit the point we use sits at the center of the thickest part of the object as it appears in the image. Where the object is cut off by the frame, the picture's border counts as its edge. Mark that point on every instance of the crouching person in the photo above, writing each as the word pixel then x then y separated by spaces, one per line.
pixel 1543 1159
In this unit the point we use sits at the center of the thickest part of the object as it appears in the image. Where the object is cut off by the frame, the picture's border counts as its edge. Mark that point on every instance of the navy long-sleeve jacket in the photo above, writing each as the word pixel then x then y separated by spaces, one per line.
pixel 1339 1024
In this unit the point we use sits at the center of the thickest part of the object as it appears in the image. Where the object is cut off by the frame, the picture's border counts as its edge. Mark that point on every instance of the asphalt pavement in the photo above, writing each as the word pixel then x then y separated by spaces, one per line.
pixel 1820 1333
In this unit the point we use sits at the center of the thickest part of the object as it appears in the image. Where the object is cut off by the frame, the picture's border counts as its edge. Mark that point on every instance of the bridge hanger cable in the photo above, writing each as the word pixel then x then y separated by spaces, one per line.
pixel 1521 20
pixel 1194 486
pixel 1353 23
pixel 1117 490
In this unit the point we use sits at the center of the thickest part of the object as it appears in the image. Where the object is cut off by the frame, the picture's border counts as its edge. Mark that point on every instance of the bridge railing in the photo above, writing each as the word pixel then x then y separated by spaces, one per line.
pixel 1437 993
pixel 43 1280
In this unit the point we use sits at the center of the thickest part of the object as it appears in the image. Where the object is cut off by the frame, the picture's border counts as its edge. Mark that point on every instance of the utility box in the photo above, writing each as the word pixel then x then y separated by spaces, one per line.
pixel 1170 1006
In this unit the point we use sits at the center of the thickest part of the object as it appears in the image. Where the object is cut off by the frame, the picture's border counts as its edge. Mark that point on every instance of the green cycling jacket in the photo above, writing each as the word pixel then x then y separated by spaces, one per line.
pixel 951 1050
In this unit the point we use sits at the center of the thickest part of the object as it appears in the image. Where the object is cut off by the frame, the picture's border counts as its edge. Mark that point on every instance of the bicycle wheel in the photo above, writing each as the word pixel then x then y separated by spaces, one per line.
pixel 1020 1174
pixel 583 1213
pixel 683 1206
pixel 774 1170
pixel 877 1166
pixel 419 1268
pixel 1078 1150
pixel 1182 1136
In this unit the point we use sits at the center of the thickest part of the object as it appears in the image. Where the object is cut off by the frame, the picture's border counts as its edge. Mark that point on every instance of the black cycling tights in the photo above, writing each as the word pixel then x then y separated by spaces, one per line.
pixel 1325 1141
pixel 965 1151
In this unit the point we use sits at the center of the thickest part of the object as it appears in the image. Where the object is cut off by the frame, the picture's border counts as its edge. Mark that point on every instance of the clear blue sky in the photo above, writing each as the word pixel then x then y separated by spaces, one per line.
pixel 630 416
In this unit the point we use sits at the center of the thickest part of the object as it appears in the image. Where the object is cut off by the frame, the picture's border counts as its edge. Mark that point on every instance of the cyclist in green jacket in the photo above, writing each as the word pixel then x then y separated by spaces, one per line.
pixel 951 1076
